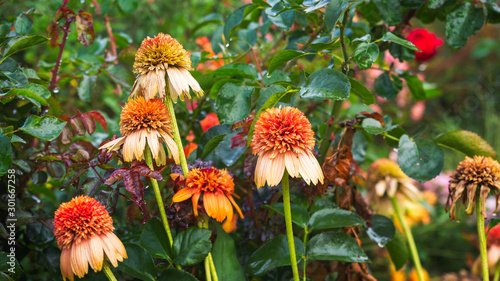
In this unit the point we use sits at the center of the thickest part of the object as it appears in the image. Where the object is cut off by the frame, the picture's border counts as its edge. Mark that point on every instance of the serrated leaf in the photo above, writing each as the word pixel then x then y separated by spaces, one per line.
pixel 86 88
pixel 398 251
pixel 85 28
pixel 5 155
pixel 139 263
pixel 333 12
pixel 416 87
pixel 466 142
pixel 234 20
pixel 335 246
pixel 173 274
pixel 389 36
pixel 17 44
pixel 361 91
pixel 326 84
pixel 333 218
pixel 46 128
pixel 386 87
pixel 23 24
pixel 225 259
pixel 191 246
pixel 273 254
pixel 120 75
pixel 233 102
pixel 300 216
pixel 390 10
pixel 155 240
pixel 283 57
pixel 366 54
pixel 421 160
pixel 463 22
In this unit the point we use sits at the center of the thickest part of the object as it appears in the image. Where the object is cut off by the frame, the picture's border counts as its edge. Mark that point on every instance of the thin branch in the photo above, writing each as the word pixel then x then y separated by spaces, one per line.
pixel 113 48
pixel 55 71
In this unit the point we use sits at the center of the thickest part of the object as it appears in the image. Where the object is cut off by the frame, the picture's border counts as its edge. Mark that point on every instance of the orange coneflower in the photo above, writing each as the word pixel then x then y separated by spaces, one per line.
pixel 84 232
pixel 145 121
pixel 283 138
pixel 160 56
pixel 217 187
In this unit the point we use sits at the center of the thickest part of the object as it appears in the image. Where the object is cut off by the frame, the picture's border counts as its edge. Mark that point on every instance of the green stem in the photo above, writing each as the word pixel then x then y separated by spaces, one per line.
pixel 209 261
pixel 208 273
pixel 497 272
pixel 212 267
pixel 342 42
pixel 107 271
pixel 177 136
pixel 159 200
pixel 482 240
pixel 409 238
pixel 289 227
pixel 306 232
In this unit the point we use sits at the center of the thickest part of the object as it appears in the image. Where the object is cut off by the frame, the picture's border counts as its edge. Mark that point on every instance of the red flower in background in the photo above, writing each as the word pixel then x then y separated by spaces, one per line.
pixel 427 42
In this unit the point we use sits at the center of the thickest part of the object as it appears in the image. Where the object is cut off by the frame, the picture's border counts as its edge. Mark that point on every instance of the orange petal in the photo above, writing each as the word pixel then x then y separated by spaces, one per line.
pixel 183 194
pixel 236 206
pixel 195 198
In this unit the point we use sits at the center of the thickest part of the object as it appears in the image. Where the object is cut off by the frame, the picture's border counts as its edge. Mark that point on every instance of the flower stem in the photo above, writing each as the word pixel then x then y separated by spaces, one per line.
pixel 306 232
pixel 107 271
pixel 409 238
pixel 209 261
pixel 208 274
pixel 289 227
pixel 177 136
pixel 159 200
pixel 212 267
pixel 482 241
pixel 496 277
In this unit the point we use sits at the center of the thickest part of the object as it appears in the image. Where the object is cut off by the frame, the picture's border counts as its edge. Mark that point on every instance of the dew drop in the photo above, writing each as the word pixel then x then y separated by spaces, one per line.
pixel 268 75
pixel 381 245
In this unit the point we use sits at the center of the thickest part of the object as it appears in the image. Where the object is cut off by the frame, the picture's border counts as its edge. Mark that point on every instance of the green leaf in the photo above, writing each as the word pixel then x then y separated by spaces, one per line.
pixel 237 70
pixel 17 44
pixel 120 75
pixel 233 102
pixel 463 22
pixel 86 88
pixel 421 160
pixel 299 215
pixel 128 6
pixel 139 262
pixel 273 254
pixel 46 128
pixel 212 133
pixel 5 155
pixel 492 223
pixel 283 57
pixel 211 145
pixel 416 87
pixel 361 91
pixel 234 20
pixel 33 93
pixel 389 36
pixel 372 126
pixel 386 87
pixel 23 25
pixel 390 10
pixel 382 230
pixel 271 102
pixel 276 77
pixel 398 250
pixel 191 246
pixel 154 239
pixel 326 84
pixel 266 93
pixel 335 246
pixel 173 274
pixel 466 142
pixel 225 259
pixel 434 4
pixel 208 19
pixel 366 54
pixel 281 18
pixel 332 218
pixel 320 204
pixel 333 12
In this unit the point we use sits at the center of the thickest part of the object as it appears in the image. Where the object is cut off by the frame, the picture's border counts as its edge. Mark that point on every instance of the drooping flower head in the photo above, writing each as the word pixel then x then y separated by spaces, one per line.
pixel 84 233
pixel 217 187
pixel 472 176
pixel 384 181
pixel 426 41
pixel 283 139
pixel 160 56
pixel 144 121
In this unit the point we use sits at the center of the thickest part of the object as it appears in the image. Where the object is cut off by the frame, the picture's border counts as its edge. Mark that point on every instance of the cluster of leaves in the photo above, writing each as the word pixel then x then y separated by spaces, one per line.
pixel 309 54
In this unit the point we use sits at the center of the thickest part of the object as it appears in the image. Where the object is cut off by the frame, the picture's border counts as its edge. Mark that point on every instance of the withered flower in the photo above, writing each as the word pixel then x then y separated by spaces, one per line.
pixel 160 56
pixel 472 176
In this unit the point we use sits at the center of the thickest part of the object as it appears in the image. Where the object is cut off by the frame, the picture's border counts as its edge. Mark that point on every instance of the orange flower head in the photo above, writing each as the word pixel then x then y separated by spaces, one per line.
pixel 473 176
pixel 145 121
pixel 84 233
pixel 283 139
pixel 217 187
pixel 160 56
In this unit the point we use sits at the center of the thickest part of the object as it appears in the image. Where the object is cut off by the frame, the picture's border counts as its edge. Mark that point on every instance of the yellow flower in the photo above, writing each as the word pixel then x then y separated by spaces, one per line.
pixel 217 187
pixel 283 139
pixel 160 56
pixel 144 121
pixel 480 171
pixel 84 233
